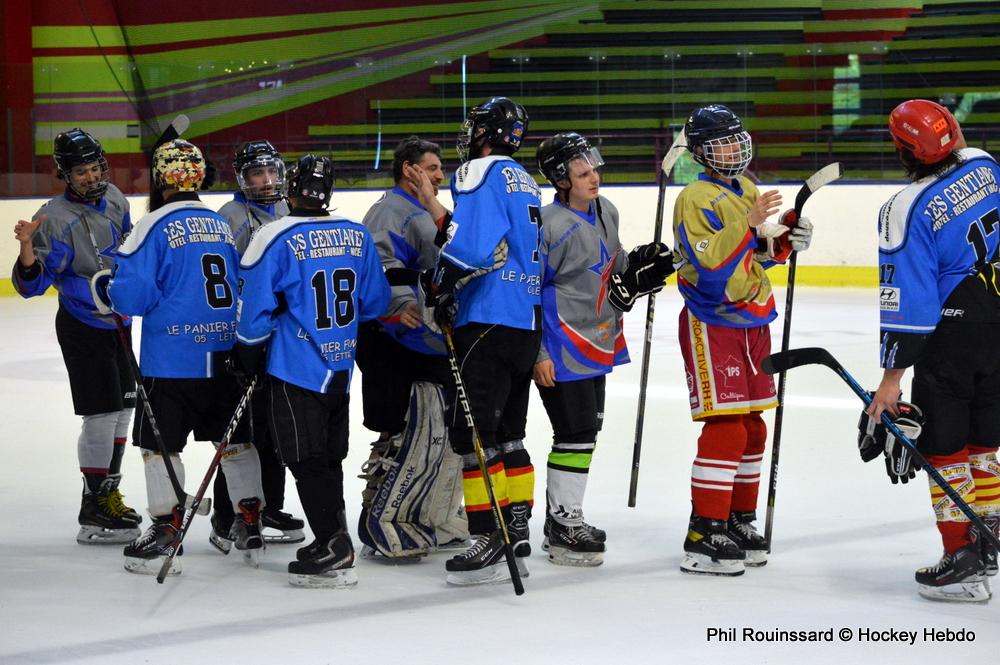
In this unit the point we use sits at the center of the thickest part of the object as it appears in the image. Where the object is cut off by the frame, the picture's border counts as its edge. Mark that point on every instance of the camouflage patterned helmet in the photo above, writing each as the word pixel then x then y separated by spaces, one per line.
pixel 178 165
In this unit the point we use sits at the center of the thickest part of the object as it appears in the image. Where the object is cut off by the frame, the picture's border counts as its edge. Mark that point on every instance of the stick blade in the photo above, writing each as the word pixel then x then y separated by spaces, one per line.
pixel 677 148
pixel 175 129
pixel 824 176
pixel 783 361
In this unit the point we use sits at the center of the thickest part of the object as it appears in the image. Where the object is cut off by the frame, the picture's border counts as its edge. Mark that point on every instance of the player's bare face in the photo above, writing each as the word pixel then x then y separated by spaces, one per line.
pixel 585 184
pixel 262 179
pixel 431 165
pixel 85 177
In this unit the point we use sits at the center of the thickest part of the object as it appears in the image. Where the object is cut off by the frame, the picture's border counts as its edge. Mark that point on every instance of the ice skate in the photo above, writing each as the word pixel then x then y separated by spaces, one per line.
pixel 572 545
pixel 958 577
pixel 482 563
pixel 710 551
pixel 988 551
pixel 102 522
pixel 290 528
pixel 114 500
pixel 518 530
pixel 219 536
pixel 327 564
pixel 596 534
pixel 743 532
pixel 245 533
pixel 145 555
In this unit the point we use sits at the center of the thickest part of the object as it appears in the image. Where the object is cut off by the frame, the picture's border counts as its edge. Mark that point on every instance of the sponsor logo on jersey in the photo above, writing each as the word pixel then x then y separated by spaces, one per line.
pixel 702 245
pixel 889 299
pixel 701 362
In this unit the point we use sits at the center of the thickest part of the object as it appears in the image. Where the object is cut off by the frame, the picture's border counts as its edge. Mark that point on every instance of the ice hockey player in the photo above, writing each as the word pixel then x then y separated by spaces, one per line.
pixel 309 279
pixel 413 500
pixel 178 271
pixel 724 243
pixel 260 173
pixel 582 337
pixel 69 239
pixel 940 310
pixel 496 329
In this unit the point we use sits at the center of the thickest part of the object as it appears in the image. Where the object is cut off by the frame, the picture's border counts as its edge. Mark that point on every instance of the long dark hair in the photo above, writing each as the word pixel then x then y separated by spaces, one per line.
pixel 916 170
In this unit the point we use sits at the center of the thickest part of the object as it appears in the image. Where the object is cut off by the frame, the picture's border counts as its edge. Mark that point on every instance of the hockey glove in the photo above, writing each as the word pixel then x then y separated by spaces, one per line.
pixel 246 361
pixel 99 284
pixel 772 241
pixel 648 267
pixel 437 308
pixel 801 232
pixel 875 438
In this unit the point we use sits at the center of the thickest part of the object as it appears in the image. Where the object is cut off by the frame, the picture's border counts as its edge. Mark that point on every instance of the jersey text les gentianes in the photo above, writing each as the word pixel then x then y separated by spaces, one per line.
pixel 936 237
pixel 404 234
pixel 178 271
pixel 495 198
pixel 581 332
pixel 721 274
pixel 66 247
pixel 306 284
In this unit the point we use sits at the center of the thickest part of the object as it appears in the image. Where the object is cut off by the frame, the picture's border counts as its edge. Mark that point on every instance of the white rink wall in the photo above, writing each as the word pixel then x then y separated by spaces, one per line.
pixel 844 216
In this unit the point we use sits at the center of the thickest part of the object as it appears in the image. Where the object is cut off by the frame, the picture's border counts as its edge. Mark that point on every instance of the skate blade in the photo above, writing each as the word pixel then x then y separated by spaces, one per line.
pixel 371 554
pixel 151 566
pixel 562 556
pixel 97 535
pixel 962 592
pixel 453 545
pixel 253 556
pixel 755 558
pixel 495 574
pixel 342 578
pixel 224 545
pixel 699 564
pixel 278 537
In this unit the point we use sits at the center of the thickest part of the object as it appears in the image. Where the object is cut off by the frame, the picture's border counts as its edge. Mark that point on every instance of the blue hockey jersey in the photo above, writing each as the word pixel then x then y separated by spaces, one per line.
pixel 306 284
pixel 932 235
pixel 177 270
pixel 495 198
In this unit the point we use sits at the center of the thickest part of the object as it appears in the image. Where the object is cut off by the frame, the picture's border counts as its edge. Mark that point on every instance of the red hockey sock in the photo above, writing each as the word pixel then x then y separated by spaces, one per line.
pixel 747 482
pixel 720 449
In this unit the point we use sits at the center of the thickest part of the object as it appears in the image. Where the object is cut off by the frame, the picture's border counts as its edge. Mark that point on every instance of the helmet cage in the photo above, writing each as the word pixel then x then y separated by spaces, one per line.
pixel 80 149
pixel 728 155
pixel 560 170
pixel 271 192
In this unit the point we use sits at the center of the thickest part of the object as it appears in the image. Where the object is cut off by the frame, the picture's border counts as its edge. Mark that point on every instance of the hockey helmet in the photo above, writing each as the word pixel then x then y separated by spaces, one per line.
pixel 77 148
pixel 717 139
pixel 260 155
pixel 555 154
pixel 926 129
pixel 311 178
pixel 178 165
pixel 497 122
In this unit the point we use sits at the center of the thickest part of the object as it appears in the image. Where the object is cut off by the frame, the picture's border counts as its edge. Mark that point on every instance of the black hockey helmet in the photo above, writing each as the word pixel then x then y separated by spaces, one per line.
pixel 555 154
pixel 76 148
pixel 717 139
pixel 311 178
pixel 260 155
pixel 498 122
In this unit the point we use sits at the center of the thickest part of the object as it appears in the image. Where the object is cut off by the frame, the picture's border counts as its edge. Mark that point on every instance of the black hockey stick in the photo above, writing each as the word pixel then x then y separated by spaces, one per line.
pixel 824 176
pixel 679 146
pixel 189 513
pixel 786 360
pixel 477 445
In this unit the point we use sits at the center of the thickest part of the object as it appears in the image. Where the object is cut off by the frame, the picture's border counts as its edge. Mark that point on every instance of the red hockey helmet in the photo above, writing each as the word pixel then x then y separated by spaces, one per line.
pixel 926 129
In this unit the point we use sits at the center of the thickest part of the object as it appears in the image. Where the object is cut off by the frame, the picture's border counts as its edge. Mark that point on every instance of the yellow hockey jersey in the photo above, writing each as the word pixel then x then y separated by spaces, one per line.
pixel 721 279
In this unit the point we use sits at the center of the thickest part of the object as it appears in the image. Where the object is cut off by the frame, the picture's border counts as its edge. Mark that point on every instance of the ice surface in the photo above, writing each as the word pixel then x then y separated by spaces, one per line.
pixel 846 542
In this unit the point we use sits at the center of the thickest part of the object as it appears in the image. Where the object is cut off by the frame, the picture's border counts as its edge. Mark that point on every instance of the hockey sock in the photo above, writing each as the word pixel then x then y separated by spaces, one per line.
pixel 94 447
pixel 567 471
pixel 321 495
pixel 242 467
pixel 720 449
pixel 747 481
pixel 986 476
pixel 519 471
pixel 952 522
pixel 477 499
pixel 121 437
pixel 160 495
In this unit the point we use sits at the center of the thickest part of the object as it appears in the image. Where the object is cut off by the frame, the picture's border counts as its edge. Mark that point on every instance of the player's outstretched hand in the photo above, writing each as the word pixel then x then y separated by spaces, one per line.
pixel 766 205
pixel 23 230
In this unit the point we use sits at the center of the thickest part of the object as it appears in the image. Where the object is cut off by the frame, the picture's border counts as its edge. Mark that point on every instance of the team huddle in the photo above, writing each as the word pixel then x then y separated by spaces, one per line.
pixel 451 315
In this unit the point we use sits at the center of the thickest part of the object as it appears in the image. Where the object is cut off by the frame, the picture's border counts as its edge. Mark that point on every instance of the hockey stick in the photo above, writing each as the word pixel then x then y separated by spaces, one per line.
pixel 189 513
pixel 824 176
pixel 679 146
pixel 477 445
pixel 177 127
pixel 786 360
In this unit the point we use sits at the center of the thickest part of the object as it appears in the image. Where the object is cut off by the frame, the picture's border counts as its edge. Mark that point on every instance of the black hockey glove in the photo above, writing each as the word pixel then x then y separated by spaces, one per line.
pixel 439 309
pixel 648 267
pixel 875 438
pixel 246 361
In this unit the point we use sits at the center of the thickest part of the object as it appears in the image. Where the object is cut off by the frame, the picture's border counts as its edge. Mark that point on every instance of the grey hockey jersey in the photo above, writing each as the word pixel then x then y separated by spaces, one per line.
pixel 247 216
